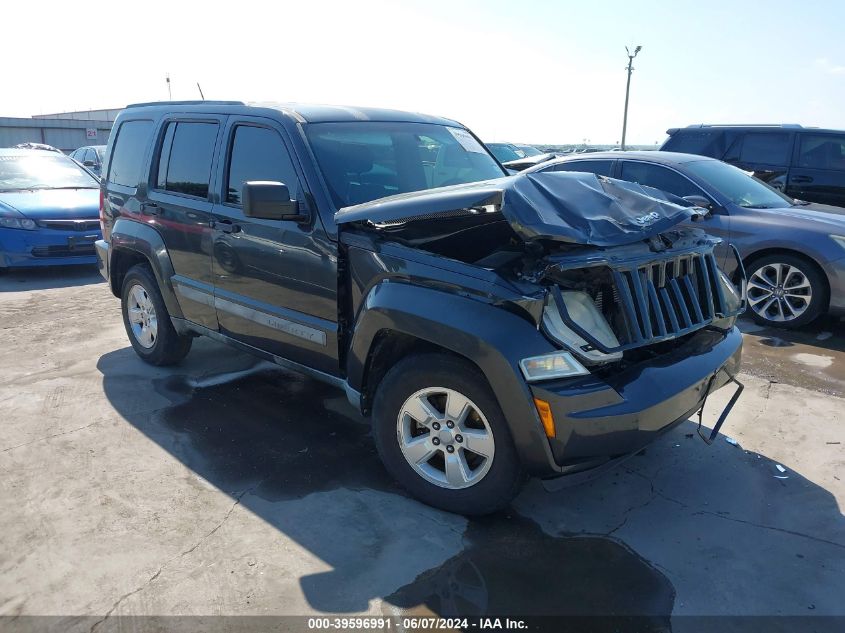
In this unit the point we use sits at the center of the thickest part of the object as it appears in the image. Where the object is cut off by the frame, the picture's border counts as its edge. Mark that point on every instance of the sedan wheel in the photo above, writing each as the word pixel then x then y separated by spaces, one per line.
pixel 445 438
pixel 785 291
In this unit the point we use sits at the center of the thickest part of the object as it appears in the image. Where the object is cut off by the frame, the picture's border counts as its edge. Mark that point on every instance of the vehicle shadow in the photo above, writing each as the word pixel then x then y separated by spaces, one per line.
pixel 297 455
pixel 22 279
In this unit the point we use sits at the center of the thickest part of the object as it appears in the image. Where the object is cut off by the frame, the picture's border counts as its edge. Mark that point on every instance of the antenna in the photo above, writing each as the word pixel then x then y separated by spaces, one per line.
pixel 169 94
pixel 200 89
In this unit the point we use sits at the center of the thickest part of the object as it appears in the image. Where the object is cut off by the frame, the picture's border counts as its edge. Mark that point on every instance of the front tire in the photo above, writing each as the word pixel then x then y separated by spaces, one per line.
pixel 785 291
pixel 147 321
pixel 441 434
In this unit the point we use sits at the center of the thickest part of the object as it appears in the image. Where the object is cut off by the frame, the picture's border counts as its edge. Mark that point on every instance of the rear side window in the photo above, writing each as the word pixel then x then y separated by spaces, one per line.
pixel 598 167
pixel 128 153
pixel 702 142
pixel 184 165
pixel 659 178
pixel 258 154
pixel 822 151
pixel 768 148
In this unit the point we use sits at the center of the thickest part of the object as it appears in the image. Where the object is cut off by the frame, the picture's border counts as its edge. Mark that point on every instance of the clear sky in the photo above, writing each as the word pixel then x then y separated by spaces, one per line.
pixel 517 70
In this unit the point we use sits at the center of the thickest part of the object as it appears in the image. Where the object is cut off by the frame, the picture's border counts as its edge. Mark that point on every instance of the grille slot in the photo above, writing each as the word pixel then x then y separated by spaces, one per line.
pixel 70 225
pixel 81 250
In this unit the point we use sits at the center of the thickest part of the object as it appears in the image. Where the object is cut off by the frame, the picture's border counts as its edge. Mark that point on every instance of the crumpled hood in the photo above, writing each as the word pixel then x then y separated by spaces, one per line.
pixel 53 204
pixel 571 207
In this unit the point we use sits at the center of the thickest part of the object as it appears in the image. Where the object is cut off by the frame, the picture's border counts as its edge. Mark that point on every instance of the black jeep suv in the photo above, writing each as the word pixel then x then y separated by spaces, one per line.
pixel 805 163
pixel 492 326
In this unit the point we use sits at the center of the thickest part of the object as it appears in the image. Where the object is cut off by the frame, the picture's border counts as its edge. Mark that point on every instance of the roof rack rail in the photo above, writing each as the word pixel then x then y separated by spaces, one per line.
pixel 188 102
pixel 746 125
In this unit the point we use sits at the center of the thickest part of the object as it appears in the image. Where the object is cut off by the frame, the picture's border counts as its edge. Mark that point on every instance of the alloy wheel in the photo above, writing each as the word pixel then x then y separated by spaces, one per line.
pixel 445 438
pixel 779 292
pixel 142 316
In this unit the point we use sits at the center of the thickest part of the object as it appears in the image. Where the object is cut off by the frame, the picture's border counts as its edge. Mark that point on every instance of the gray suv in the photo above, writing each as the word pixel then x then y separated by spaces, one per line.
pixel 793 251
pixel 492 327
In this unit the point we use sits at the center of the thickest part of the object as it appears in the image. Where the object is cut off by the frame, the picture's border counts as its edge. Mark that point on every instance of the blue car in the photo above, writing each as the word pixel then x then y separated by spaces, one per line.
pixel 49 210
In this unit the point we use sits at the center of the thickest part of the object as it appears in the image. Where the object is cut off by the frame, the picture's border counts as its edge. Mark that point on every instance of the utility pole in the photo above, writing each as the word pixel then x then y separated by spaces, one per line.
pixel 628 90
pixel 169 94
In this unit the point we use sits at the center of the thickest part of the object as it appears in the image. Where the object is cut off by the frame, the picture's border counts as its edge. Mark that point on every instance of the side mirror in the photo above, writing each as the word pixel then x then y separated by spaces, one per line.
pixel 89 163
pixel 700 201
pixel 270 200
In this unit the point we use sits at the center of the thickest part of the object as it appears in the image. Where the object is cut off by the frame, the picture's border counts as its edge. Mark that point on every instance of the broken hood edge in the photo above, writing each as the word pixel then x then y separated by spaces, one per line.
pixel 571 207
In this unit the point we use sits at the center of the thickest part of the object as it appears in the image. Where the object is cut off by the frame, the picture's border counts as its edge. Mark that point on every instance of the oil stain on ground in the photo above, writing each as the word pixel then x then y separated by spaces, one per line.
pixel 282 436
pixel 511 568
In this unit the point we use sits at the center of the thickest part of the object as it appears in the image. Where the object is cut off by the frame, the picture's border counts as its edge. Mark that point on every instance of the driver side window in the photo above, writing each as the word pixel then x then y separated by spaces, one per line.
pixel 660 178
pixel 259 153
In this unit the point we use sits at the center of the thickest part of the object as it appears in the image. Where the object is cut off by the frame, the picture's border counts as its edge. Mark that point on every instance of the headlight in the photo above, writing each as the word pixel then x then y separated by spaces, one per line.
pixel 584 312
pixel 732 298
pixel 839 239
pixel 733 301
pixel 548 366
pixel 7 222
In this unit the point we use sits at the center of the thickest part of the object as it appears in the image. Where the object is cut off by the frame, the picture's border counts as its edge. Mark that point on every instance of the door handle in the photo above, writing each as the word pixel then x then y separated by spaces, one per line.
pixel 150 208
pixel 226 226
pixel 802 179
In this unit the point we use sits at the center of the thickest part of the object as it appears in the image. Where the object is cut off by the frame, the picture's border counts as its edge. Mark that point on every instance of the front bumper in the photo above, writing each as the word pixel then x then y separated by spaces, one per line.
pixel 835 272
pixel 597 420
pixel 101 248
pixel 45 247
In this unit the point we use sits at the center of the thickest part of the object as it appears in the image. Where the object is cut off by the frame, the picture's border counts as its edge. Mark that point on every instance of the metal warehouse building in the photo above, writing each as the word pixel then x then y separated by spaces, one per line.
pixel 66 131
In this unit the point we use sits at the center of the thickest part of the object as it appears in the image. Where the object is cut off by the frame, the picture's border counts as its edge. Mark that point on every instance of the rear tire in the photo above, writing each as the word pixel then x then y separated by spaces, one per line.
pixel 785 291
pixel 432 457
pixel 147 321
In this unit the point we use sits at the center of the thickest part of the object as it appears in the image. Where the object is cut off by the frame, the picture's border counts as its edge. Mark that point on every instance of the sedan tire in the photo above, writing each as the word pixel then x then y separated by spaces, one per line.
pixel 785 291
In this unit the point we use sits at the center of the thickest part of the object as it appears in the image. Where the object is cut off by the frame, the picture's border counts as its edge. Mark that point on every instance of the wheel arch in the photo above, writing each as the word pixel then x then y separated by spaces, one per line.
pixel 135 243
pixel 398 319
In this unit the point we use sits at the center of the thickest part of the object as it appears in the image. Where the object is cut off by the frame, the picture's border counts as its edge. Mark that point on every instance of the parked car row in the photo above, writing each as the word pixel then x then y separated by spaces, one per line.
pixel 49 210
pixel 90 156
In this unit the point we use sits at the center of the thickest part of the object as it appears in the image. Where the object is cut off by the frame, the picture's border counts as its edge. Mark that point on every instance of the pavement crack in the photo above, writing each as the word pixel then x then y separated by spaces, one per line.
pixel 178 556
pixel 41 439
pixel 770 527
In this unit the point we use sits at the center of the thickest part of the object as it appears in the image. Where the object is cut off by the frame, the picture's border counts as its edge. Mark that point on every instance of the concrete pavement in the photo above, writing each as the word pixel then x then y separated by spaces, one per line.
pixel 226 486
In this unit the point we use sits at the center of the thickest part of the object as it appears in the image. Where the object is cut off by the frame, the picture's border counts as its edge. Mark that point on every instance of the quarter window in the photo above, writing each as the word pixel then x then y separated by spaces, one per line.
pixel 128 154
pixel 703 142
pixel 659 178
pixel 258 154
pixel 822 151
pixel 186 154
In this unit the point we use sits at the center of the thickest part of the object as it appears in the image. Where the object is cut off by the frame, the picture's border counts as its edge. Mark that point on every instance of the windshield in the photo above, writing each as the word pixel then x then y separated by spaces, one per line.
pixel 736 185
pixel 528 150
pixel 43 171
pixel 505 152
pixel 363 161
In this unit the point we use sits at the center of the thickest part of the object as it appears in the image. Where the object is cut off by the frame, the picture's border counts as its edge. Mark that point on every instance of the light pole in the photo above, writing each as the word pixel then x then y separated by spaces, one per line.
pixel 628 90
